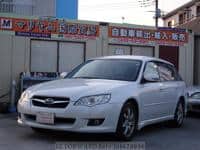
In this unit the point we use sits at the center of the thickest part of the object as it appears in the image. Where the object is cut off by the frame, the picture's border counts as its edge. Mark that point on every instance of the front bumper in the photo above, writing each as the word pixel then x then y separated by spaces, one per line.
pixel 74 118
pixel 194 105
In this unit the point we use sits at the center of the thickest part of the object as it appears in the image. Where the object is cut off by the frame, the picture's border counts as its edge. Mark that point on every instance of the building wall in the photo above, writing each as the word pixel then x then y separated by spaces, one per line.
pixel 13 60
pixel 44 8
pixel 175 18
pixel 56 8
pixel 5 64
pixel 25 7
pixel 189 53
pixel 186 61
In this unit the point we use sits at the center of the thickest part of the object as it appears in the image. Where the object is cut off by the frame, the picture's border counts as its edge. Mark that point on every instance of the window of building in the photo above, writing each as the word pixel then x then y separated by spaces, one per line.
pixel 6 6
pixel 181 19
pixel 189 13
pixel 198 10
pixel 184 17
pixel 169 24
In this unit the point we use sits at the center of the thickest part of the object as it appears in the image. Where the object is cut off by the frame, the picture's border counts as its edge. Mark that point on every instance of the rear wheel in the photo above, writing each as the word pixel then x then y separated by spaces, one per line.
pixel 127 124
pixel 178 116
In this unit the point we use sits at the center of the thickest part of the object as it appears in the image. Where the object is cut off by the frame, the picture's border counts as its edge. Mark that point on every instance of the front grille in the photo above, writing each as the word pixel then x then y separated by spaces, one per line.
pixel 53 97
pixel 57 120
pixel 50 102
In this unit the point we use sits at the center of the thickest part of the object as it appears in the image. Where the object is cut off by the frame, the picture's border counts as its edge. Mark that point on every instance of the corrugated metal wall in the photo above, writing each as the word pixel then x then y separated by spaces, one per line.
pixel 13 59
pixel 197 61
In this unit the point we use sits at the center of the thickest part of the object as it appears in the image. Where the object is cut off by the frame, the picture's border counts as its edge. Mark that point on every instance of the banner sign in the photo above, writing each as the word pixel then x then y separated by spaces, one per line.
pixel 149 36
pixel 44 28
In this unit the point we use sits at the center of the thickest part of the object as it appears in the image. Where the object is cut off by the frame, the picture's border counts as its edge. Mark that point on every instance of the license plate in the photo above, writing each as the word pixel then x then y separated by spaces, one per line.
pixel 45 118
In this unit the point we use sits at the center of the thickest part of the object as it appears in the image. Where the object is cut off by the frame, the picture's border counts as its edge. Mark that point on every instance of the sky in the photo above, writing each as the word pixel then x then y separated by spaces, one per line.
pixel 124 11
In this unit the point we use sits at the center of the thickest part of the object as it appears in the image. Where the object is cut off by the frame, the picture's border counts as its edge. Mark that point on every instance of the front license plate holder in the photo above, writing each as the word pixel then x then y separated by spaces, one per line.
pixel 45 118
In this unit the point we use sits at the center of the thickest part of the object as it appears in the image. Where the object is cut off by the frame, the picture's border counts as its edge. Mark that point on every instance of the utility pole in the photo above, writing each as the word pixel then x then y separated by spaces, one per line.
pixel 157 13
pixel 147 3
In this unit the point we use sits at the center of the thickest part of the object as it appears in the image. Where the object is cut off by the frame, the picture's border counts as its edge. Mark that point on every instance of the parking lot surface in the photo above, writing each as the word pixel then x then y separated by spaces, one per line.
pixel 156 137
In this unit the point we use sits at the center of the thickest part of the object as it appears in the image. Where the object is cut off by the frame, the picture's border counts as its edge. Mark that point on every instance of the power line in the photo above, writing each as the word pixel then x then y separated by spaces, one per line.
pixel 146 3
pixel 111 5
pixel 126 5
pixel 110 8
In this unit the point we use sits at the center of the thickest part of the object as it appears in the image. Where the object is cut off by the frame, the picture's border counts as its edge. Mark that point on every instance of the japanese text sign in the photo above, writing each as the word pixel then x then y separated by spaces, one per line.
pixel 160 36
pixel 36 27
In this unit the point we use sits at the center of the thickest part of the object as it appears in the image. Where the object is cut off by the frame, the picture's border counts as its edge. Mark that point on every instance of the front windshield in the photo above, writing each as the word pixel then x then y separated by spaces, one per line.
pixel 111 69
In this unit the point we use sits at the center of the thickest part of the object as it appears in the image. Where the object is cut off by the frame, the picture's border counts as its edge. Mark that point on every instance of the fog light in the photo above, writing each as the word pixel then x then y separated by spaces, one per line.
pixel 95 122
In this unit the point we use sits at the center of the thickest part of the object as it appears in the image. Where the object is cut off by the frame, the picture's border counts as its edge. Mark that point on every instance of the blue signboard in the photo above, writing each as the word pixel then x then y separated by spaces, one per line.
pixel 31 34
pixel 67 9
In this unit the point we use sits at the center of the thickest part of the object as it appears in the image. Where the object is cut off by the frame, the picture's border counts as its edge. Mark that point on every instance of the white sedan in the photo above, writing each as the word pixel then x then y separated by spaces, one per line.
pixel 114 94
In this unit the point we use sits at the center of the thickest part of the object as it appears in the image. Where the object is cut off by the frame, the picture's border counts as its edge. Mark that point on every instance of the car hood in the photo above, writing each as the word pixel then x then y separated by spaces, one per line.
pixel 76 88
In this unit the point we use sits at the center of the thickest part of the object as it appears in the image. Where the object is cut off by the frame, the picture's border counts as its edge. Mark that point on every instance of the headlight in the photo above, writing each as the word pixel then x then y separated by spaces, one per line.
pixel 25 96
pixel 195 96
pixel 93 100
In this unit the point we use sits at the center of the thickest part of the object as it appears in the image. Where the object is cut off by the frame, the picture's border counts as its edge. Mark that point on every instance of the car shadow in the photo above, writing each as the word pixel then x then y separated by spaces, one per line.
pixel 150 129
pixel 63 136
pixel 194 115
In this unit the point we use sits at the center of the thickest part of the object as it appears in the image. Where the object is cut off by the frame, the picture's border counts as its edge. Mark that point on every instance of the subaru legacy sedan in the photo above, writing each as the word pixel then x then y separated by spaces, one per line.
pixel 113 94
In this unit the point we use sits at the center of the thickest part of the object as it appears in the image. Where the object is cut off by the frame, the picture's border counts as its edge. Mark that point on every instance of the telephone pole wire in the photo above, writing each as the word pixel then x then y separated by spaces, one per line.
pixel 147 3
pixel 157 13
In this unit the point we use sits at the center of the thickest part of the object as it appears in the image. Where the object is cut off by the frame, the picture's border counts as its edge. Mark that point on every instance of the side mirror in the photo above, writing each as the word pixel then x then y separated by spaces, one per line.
pixel 63 75
pixel 151 77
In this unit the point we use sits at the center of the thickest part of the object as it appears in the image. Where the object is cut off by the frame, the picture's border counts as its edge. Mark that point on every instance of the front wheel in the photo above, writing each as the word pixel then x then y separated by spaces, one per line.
pixel 127 124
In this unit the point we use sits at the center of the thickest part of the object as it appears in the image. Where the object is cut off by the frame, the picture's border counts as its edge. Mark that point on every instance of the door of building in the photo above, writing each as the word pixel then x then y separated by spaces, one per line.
pixel 119 50
pixel 70 55
pixel 43 56
pixel 170 53
pixel 55 56
pixel 143 51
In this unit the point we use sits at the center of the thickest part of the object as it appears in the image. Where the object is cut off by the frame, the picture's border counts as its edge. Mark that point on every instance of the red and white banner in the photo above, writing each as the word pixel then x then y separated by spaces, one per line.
pixel 163 36
pixel 44 28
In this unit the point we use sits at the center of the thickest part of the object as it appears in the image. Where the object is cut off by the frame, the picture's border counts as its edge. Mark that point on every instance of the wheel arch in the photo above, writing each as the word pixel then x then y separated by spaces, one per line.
pixel 135 103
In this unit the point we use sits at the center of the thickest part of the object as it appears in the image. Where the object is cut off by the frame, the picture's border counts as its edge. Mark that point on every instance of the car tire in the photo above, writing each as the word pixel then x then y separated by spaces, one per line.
pixel 127 123
pixel 178 116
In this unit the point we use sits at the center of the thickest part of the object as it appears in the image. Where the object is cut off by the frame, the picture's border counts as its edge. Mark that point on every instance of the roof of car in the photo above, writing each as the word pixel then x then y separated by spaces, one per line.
pixel 143 58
